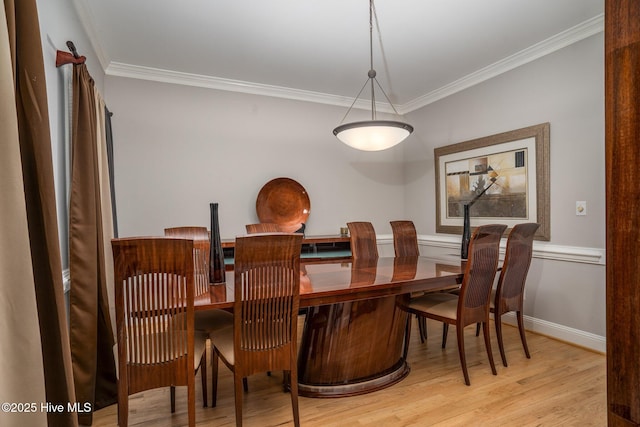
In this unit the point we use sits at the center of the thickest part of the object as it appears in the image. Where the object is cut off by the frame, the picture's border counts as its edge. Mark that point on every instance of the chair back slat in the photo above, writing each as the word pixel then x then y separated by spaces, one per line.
pixel 405 239
pixel 363 240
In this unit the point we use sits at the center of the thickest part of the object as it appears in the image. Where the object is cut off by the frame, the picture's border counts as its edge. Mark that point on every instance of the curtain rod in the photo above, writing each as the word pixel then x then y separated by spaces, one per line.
pixel 63 58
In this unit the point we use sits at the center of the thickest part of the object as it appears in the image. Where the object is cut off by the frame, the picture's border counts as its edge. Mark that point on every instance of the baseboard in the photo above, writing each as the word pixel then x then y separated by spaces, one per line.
pixel 542 250
pixel 563 333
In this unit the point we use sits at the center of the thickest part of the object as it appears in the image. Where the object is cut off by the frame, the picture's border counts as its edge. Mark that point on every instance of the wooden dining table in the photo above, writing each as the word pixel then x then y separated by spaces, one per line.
pixel 354 335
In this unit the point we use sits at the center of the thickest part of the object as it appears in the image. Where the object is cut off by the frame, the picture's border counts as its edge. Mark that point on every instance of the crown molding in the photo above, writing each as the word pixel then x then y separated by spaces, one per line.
pixel 572 35
pixel 187 79
pixel 581 31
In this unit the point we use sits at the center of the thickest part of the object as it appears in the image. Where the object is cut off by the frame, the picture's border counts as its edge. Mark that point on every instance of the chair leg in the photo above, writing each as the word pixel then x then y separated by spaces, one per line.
pixel 445 331
pixel 407 336
pixel 245 385
pixel 498 321
pixel 422 327
pixel 203 375
pixel 286 381
pixel 478 329
pixel 214 378
pixel 237 387
pixel 173 399
pixel 522 334
pixel 463 358
pixel 293 375
pixel 191 399
pixel 487 343
pixel 123 407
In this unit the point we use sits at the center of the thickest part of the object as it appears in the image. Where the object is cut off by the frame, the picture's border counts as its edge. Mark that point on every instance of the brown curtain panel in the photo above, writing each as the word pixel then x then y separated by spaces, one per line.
pixel 21 359
pixel 31 115
pixel 91 333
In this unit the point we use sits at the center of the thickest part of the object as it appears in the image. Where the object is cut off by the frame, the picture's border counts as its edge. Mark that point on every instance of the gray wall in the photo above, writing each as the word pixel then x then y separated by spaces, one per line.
pixel 565 88
pixel 178 148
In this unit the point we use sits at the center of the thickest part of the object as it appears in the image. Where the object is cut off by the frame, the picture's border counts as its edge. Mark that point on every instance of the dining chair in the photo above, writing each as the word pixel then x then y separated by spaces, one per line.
pixel 265 313
pixel 157 343
pixel 405 244
pixel 405 238
pixel 471 305
pixel 509 294
pixel 262 227
pixel 363 240
pixel 208 321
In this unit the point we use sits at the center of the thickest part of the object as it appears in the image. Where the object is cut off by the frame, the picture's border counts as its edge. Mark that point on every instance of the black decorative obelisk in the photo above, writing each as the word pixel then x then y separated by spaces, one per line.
pixel 466 233
pixel 216 256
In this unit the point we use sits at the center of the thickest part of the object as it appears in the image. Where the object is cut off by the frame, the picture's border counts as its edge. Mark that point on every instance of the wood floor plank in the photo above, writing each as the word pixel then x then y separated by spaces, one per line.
pixel 561 385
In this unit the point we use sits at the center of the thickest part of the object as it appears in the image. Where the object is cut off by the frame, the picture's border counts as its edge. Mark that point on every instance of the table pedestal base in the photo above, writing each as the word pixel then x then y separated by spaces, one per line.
pixel 355 388
pixel 352 348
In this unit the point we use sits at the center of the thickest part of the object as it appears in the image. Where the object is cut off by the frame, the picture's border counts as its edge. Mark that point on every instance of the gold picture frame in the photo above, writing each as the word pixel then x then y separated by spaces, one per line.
pixel 505 178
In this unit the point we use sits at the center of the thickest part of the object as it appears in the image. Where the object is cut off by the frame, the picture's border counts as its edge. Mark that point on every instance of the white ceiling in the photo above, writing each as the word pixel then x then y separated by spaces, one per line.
pixel 318 50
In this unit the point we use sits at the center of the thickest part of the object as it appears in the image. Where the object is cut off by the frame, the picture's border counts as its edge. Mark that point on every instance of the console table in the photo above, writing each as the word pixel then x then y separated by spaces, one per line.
pixel 314 248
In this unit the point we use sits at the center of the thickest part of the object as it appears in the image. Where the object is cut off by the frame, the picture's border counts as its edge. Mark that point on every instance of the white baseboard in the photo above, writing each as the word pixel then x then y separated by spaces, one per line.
pixel 563 333
pixel 543 250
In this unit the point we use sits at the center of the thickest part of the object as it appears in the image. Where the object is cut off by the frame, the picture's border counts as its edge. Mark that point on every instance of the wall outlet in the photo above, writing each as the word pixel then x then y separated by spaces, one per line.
pixel 581 208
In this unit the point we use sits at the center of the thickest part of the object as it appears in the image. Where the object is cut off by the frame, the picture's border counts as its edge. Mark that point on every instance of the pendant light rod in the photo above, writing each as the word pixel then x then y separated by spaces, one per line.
pixel 373 135
pixel 372 72
pixel 371 34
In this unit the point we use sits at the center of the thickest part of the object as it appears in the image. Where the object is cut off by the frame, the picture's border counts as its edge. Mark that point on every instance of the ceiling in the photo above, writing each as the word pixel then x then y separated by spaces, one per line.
pixel 318 50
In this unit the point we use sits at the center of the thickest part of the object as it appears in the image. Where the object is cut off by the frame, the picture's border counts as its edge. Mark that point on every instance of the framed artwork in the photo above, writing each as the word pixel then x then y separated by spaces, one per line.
pixel 504 178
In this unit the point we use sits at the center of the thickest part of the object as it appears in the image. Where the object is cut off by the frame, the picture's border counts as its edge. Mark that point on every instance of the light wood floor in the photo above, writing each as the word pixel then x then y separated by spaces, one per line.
pixel 561 385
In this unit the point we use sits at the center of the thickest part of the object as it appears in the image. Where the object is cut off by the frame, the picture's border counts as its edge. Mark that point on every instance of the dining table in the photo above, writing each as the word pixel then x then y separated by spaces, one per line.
pixel 354 338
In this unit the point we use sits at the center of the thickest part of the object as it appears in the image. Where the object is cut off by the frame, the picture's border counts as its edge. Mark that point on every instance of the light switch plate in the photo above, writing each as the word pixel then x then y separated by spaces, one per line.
pixel 581 208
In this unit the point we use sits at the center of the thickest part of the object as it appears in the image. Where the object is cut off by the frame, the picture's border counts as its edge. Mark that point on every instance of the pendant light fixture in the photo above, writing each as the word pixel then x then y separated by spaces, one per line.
pixel 374 134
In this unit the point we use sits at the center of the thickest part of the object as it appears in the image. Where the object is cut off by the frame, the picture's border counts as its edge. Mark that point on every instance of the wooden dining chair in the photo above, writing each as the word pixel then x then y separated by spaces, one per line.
pixel 208 321
pixel 266 303
pixel 471 305
pixel 363 240
pixel 405 244
pixel 405 238
pixel 157 343
pixel 262 227
pixel 509 294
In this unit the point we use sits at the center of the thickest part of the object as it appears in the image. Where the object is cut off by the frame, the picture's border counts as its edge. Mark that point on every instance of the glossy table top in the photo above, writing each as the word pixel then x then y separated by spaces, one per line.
pixel 340 281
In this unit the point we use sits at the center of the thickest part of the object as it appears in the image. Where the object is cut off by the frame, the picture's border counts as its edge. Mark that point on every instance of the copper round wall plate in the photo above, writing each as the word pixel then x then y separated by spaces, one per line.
pixel 285 202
